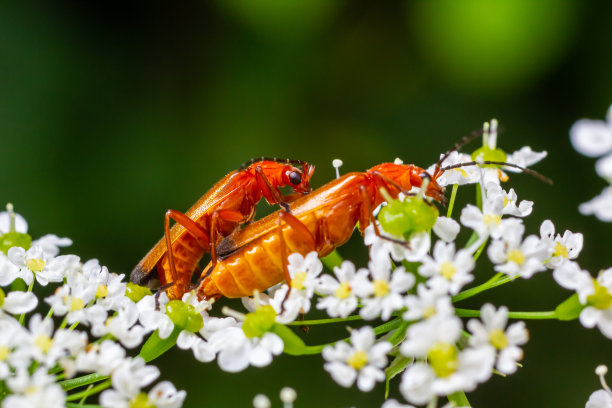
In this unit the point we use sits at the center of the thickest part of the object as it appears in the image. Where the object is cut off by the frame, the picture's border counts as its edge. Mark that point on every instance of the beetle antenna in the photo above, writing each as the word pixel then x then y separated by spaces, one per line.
pixel 516 166
pixel 464 140
pixel 273 159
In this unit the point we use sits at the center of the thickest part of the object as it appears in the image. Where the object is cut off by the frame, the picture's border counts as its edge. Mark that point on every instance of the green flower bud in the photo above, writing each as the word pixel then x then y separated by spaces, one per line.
pixel 177 312
pixel 258 323
pixel 194 320
pixel 12 239
pixel 485 153
pixel 136 292
pixel 404 218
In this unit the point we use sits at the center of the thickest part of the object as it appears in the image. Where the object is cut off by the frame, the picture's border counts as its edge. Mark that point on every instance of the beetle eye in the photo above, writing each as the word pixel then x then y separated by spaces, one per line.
pixel 295 178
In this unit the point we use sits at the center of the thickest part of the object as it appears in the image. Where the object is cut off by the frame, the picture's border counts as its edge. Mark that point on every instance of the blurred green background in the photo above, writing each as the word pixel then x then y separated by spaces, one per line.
pixel 111 113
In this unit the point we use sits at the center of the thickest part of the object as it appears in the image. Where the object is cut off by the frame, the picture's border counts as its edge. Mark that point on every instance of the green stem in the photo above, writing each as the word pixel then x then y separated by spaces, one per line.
pixel 451 203
pixel 399 334
pixel 30 288
pixel 94 390
pixel 383 328
pixel 512 315
pixel 325 321
pixel 68 385
pixel 480 249
pixel 491 283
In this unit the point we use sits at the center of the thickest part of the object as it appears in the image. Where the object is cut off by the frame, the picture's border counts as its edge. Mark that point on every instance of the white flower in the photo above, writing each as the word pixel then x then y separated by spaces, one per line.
pixel 101 358
pixel 592 137
pixel 600 206
pixel 165 395
pixel 447 270
pixel 303 272
pixel 599 304
pixel 236 352
pixel 18 302
pixel 34 262
pixel 362 360
pixel 122 326
pixel 524 157
pixel 446 228
pixel 514 257
pixel 8 270
pixel 563 247
pixel 384 291
pixel 488 221
pixel 391 403
pixel 427 303
pixel 12 336
pixel 51 244
pixel 128 379
pixel 491 332
pixel 461 175
pixel 412 251
pixel 39 390
pixel 339 297
pixel 448 369
pixel 570 276
pixel 153 317
pixel 600 399
pixel 48 347
pixel 509 198
pixel 201 349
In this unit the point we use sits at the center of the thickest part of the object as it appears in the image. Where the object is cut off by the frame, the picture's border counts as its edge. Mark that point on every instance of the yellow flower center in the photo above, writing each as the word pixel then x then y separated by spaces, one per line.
pixel 35 264
pixel 429 311
pixel 443 359
pixel 381 287
pixel 31 390
pixel 298 280
pixel 491 219
pixel 343 291
pixel 101 290
pixel 462 172
pixel 141 401
pixel 43 342
pixel 498 339
pixel 560 250
pixel 447 270
pixel 358 359
pixel 506 201
pixel 601 298
pixel 516 256
pixel 76 304
pixel 4 353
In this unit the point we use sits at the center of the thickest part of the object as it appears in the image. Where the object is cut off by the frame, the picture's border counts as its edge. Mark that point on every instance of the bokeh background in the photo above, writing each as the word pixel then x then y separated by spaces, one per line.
pixel 111 113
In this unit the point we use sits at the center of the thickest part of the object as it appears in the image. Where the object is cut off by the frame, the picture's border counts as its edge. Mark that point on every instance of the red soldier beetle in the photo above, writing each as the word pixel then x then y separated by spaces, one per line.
pixel 216 214
pixel 255 257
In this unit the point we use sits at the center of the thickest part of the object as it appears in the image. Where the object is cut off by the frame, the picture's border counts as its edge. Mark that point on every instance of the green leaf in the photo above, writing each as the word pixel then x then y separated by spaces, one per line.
pixel 293 344
pixel 398 365
pixel 459 399
pixel 332 260
pixel 570 308
pixel 156 346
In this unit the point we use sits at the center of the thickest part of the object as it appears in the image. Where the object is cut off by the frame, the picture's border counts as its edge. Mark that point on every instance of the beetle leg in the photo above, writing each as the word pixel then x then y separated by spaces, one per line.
pixel 193 228
pixel 225 215
pixel 296 224
pixel 264 184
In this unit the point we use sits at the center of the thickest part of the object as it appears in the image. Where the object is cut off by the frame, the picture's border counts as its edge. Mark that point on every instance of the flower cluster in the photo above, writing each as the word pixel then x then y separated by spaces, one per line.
pixel 40 358
pixel 593 138
pixel 100 333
